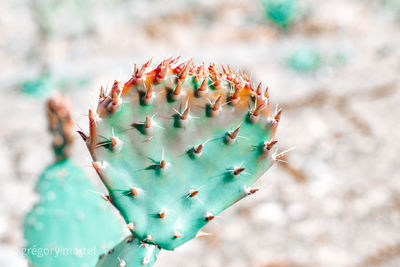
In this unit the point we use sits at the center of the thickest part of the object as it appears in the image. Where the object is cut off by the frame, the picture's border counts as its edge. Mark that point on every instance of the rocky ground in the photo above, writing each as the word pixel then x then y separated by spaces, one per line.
pixel 337 200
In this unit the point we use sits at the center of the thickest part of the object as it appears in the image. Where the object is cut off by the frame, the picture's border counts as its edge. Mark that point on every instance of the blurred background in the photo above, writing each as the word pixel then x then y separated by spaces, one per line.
pixel 333 66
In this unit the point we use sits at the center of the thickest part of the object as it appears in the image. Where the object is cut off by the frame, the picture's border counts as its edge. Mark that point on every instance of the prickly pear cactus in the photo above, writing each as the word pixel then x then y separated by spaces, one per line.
pixel 177 145
pixel 69 226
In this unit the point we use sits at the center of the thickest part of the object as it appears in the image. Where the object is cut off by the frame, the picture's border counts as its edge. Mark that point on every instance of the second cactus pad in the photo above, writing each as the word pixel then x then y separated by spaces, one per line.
pixel 69 226
pixel 178 144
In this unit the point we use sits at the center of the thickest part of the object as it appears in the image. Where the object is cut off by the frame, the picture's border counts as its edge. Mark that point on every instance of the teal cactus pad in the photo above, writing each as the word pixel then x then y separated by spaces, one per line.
pixel 69 219
pixel 174 151
pixel 128 253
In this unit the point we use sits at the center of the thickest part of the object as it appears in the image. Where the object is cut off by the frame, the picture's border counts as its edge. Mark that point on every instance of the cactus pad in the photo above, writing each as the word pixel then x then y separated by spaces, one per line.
pixel 178 144
pixel 69 226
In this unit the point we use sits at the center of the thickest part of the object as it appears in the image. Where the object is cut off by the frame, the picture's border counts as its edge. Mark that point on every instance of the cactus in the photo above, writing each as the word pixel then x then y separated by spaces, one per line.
pixel 68 226
pixel 177 145
pixel 281 12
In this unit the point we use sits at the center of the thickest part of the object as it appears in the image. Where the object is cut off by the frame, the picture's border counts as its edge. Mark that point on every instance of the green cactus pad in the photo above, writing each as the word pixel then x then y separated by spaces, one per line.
pixel 170 151
pixel 128 253
pixel 69 226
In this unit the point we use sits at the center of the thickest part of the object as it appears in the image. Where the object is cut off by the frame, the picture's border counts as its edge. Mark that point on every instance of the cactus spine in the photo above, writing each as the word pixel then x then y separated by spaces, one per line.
pixel 175 146
pixel 68 226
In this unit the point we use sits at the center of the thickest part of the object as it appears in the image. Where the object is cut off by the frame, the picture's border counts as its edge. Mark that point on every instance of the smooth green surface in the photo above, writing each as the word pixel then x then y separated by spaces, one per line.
pixel 129 253
pixel 69 226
